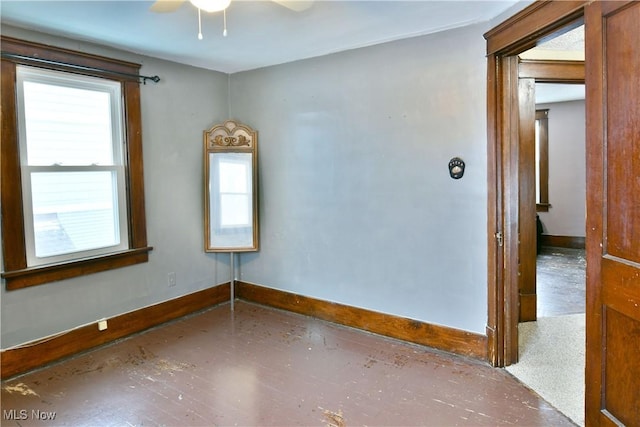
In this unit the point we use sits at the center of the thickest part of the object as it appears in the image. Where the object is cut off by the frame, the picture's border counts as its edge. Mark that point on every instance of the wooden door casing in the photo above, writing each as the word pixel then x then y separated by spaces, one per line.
pixel 613 213
pixel 527 238
pixel 516 34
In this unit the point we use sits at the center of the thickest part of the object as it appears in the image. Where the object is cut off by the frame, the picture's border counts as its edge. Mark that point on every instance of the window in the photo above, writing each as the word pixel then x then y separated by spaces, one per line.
pixel 70 137
pixel 542 161
pixel 72 183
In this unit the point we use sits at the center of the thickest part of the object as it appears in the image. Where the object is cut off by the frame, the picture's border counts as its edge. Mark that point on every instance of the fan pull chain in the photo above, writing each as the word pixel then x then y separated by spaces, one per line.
pixel 199 25
pixel 224 31
pixel 224 14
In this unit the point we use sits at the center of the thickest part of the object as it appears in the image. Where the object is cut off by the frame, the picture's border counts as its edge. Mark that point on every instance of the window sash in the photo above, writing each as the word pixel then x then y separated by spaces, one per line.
pixel 117 210
pixel 29 74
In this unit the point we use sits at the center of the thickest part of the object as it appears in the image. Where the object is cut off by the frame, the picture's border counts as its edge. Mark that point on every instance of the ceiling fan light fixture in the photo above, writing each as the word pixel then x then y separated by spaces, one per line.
pixel 211 5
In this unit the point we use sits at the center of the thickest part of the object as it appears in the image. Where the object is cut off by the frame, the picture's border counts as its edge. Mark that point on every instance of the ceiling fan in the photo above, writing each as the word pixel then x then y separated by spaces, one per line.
pixel 164 6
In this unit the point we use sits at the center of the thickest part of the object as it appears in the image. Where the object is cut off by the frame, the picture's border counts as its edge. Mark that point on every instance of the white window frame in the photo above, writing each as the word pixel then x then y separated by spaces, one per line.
pixel 117 169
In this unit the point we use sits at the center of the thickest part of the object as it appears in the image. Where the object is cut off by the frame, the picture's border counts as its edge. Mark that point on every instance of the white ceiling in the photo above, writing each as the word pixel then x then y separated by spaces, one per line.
pixel 547 93
pixel 568 46
pixel 260 33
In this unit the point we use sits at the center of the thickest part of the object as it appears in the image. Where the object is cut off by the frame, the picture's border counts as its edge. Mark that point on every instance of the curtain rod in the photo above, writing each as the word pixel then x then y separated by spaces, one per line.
pixel 8 55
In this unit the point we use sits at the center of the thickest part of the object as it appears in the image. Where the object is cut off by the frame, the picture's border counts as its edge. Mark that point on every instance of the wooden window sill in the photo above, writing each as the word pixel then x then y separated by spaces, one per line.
pixel 39 275
pixel 542 207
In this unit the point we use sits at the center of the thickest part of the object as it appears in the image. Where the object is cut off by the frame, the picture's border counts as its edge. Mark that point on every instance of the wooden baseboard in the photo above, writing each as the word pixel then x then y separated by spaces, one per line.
pixel 440 337
pixel 22 359
pixel 572 242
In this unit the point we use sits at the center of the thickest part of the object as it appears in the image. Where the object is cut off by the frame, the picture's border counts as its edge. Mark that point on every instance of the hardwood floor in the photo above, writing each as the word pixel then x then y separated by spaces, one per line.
pixel 561 283
pixel 261 366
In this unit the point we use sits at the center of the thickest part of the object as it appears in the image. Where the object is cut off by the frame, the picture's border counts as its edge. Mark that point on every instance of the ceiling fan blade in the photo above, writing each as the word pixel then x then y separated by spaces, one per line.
pixel 164 6
pixel 295 5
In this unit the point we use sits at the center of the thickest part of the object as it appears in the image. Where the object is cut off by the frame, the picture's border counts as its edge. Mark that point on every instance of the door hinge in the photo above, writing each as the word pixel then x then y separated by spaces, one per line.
pixel 499 238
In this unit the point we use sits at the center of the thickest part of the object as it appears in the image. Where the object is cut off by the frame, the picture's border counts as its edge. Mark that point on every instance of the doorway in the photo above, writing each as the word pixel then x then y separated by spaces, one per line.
pixel 511 207
pixel 552 189
pixel 613 236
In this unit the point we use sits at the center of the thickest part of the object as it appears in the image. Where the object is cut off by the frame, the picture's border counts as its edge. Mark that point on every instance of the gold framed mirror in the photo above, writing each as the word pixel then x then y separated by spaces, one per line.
pixel 231 188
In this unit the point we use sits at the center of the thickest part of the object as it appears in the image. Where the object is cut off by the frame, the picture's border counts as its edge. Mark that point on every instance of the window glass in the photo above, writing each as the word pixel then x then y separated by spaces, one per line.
pixel 67 125
pixel 542 160
pixel 538 161
pixel 73 212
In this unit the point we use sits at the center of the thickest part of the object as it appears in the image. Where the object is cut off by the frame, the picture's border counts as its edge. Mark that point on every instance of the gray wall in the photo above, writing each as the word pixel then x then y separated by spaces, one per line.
pixel 357 205
pixel 174 112
pixel 356 202
pixel 567 170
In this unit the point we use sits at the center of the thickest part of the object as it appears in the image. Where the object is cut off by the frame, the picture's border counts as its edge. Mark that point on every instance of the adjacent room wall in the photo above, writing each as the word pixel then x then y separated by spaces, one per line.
pixel 175 112
pixel 567 170
pixel 357 205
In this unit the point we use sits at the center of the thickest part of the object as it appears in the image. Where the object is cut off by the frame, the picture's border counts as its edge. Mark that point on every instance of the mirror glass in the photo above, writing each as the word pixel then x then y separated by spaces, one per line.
pixel 231 214
pixel 230 196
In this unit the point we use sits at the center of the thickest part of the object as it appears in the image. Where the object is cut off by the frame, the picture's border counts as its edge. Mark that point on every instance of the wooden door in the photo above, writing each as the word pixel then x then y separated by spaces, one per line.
pixel 613 213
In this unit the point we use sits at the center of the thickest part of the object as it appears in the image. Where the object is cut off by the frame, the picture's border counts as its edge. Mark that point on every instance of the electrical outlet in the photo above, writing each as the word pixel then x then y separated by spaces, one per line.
pixel 102 324
pixel 171 279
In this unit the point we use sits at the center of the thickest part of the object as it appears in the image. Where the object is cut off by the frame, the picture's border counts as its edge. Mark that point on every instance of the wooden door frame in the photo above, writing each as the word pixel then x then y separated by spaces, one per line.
pixel 543 19
pixel 531 72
